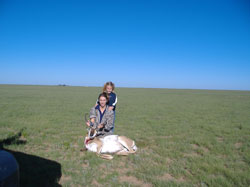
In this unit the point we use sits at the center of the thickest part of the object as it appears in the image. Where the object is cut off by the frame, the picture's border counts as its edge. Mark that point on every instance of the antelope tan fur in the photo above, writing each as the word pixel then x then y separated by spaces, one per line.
pixel 111 144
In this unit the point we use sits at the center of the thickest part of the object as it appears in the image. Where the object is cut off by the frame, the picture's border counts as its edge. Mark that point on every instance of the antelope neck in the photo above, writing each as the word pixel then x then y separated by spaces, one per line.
pixel 87 141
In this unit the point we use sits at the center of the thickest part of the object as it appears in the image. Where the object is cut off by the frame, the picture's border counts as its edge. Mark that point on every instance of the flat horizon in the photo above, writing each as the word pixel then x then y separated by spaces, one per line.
pixel 66 85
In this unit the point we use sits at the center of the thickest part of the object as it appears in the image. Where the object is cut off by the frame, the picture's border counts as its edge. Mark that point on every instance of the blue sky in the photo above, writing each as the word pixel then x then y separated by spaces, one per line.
pixel 165 44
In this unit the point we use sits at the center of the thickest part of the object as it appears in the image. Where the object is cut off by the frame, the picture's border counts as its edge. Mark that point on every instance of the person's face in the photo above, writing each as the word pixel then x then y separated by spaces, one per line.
pixel 109 89
pixel 102 101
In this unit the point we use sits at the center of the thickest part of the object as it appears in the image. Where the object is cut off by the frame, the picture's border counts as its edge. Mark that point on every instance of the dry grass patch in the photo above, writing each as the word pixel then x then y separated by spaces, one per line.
pixel 134 181
pixel 122 171
pixel 194 146
pixel 85 164
pixel 169 177
pixel 205 150
pixel 238 145
pixel 168 160
pixel 220 139
pixel 166 177
pixel 95 183
pixel 192 154
pixel 64 179
pixel 122 168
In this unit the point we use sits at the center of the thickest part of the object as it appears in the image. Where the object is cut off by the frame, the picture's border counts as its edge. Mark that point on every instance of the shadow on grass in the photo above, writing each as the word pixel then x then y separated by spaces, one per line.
pixel 15 139
pixel 37 171
pixel 34 170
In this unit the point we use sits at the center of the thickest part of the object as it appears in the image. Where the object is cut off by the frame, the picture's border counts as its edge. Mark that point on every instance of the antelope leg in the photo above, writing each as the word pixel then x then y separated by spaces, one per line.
pixel 127 143
pixel 105 156
pixel 122 153
pixel 99 154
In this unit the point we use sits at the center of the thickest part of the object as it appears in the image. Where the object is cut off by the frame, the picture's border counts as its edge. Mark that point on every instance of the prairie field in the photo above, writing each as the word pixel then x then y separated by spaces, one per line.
pixel 184 137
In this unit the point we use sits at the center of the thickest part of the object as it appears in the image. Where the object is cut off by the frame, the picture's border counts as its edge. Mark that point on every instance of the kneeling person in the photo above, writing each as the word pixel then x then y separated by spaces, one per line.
pixel 101 117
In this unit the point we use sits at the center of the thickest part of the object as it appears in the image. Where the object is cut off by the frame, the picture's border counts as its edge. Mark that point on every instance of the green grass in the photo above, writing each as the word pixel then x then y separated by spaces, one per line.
pixel 185 137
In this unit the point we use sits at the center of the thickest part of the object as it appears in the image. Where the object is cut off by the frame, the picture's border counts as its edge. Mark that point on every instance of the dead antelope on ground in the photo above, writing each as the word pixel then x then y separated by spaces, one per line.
pixel 111 144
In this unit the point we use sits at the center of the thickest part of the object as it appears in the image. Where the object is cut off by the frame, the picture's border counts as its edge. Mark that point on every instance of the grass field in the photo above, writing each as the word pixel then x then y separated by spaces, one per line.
pixel 185 137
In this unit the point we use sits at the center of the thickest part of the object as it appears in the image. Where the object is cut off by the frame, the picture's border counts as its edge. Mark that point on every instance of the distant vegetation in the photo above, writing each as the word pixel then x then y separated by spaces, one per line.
pixel 62 85
pixel 185 137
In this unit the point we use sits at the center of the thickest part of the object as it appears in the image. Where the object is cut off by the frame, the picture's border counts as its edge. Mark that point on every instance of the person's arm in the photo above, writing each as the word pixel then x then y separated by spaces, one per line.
pixel 111 107
pixel 100 126
pixel 92 116
pixel 94 124
pixel 109 123
pixel 92 121
pixel 112 102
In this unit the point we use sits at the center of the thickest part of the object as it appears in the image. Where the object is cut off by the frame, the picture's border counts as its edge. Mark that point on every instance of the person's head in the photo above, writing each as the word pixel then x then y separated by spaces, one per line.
pixel 108 87
pixel 103 99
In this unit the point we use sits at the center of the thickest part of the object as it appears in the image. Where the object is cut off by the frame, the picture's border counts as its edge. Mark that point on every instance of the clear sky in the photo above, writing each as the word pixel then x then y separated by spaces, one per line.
pixel 202 44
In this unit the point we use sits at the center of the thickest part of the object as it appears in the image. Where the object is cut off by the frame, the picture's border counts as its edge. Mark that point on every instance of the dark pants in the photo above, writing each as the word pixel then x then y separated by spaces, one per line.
pixel 114 123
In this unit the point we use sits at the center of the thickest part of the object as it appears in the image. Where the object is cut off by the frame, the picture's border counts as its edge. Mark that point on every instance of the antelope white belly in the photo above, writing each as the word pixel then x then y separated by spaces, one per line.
pixel 111 144
pixel 92 147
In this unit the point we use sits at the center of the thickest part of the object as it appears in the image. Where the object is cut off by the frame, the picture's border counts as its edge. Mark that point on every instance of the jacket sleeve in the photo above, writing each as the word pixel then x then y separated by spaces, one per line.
pixel 109 123
pixel 113 100
pixel 92 114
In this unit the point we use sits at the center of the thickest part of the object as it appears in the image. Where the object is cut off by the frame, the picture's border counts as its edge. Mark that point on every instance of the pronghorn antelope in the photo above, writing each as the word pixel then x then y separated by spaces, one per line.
pixel 110 144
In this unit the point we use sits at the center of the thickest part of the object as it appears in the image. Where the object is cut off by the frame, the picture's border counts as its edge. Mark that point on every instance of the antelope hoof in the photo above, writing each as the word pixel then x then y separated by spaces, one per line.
pixel 84 149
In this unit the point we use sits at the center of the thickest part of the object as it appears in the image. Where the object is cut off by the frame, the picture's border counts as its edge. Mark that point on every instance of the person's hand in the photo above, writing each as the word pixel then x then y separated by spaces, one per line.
pixel 111 107
pixel 88 123
pixel 100 126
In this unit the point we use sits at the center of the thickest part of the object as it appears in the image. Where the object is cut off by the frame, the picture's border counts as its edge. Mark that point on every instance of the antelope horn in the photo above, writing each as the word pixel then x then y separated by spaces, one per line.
pixel 86 117
pixel 92 135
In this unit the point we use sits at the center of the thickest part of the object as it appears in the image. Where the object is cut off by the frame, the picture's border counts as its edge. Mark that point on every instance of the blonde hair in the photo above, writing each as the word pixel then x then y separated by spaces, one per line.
pixel 108 84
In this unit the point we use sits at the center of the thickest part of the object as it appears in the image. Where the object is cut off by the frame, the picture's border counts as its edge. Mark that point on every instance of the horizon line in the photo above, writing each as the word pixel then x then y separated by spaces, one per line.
pixel 67 85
